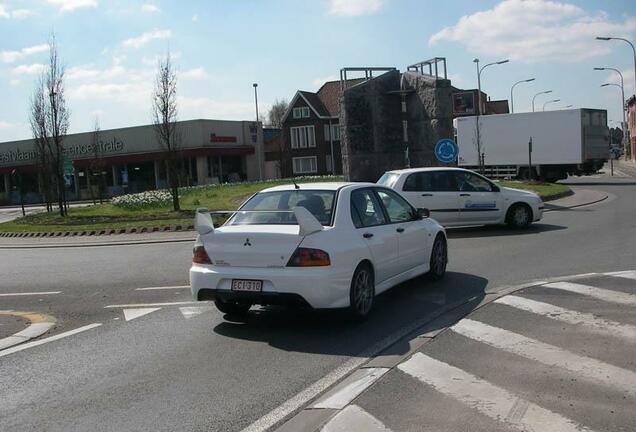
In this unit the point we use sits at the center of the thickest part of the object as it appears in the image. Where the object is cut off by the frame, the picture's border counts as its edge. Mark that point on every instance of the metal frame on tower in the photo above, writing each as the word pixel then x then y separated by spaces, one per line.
pixel 368 73
pixel 432 65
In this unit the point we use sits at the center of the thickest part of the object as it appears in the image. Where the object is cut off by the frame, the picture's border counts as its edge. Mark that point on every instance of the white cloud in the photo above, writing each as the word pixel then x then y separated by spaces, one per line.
pixel 354 7
pixel 195 18
pixel 91 73
pixel 145 38
pixel 71 5
pixel 132 93
pixel 194 74
pixel 31 69
pixel 153 60
pixel 15 13
pixel 12 56
pixel 533 31
pixel 6 125
pixel 149 7
pixel 203 107
pixel 628 80
pixel 14 82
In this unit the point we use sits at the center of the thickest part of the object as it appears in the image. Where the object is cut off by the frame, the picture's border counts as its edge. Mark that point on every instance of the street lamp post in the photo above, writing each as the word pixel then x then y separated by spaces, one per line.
pixel 608 38
pixel 622 87
pixel 479 71
pixel 550 101
pixel 512 101
pixel 540 93
pixel 260 162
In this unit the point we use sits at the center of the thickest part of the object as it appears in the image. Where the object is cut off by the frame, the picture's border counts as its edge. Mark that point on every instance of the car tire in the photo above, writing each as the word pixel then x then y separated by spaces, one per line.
pixel 439 258
pixel 232 308
pixel 361 293
pixel 519 216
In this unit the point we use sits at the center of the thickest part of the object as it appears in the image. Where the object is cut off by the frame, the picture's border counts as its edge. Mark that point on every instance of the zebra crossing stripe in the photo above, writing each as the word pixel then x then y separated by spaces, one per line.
pixel 488 399
pixel 597 293
pixel 550 355
pixel 630 274
pixel 589 321
pixel 354 418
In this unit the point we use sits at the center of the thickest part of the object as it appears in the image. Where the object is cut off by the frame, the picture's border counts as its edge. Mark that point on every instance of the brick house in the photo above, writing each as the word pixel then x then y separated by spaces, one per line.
pixel 311 133
pixel 631 124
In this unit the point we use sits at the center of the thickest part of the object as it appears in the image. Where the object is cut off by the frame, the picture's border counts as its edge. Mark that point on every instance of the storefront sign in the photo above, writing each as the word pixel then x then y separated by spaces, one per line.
pixel 16 155
pixel 222 139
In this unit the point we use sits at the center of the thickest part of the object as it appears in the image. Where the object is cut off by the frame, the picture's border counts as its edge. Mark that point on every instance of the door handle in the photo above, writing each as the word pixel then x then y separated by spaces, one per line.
pixel 400 230
pixel 427 194
pixel 464 194
pixel 367 235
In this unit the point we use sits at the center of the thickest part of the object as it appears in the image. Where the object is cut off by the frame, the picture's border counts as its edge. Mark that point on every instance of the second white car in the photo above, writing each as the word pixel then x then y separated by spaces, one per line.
pixel 459 197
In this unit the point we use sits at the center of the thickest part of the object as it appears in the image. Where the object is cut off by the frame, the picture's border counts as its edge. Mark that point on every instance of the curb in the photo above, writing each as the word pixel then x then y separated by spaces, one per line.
pixel 578 205
pixel 559 195
pixel 40 324
pixel 312 419
pixel 100 232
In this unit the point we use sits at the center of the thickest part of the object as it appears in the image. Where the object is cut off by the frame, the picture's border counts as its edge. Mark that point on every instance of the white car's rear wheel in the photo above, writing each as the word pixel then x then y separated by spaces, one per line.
pixel 439 258
pixel 232 308
pixel 362 292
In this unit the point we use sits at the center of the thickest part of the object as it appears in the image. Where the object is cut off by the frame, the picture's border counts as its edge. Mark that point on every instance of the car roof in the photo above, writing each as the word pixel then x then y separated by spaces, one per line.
pixel 315 186
pixel 424 169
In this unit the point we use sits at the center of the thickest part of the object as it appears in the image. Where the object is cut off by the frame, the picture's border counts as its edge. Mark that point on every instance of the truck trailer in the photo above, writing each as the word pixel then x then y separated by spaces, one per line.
pixel 548 145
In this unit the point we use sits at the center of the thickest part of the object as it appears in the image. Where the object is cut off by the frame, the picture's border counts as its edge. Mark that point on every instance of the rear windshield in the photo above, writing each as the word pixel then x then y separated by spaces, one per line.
pixel 388 179
pixel 275 208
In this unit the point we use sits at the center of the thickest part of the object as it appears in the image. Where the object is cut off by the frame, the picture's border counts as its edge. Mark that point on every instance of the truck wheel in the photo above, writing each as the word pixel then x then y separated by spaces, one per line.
pixel 519 216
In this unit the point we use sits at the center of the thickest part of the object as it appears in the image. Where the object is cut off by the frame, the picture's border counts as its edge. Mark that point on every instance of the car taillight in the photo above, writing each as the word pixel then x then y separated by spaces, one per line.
pixel 200 256
pixel 306 257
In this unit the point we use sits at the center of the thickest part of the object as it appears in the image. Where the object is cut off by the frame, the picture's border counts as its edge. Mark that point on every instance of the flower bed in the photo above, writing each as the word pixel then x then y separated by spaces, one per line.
pixel 143 200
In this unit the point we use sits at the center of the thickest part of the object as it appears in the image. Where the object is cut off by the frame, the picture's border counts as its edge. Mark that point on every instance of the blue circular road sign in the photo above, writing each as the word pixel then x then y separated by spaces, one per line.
pixel 446 150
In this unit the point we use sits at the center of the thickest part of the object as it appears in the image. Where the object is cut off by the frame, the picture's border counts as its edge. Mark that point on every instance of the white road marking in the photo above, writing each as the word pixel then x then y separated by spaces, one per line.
pixel 48 339
pixel 598 325
pixel 163 288
pixel 354 419
pixel 631 274
pixel 488 399
pixel 192 311
pixel 597 293
pixel 141 305
pixel 30 293
pixel 349 389
pixel 131 314
pixel 549 355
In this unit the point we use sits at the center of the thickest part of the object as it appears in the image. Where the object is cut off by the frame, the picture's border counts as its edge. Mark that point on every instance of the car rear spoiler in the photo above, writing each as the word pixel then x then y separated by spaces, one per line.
pixel 307 222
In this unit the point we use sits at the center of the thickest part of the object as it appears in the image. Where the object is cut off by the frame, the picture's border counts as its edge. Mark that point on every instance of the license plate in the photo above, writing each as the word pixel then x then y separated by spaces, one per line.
pixel 247 285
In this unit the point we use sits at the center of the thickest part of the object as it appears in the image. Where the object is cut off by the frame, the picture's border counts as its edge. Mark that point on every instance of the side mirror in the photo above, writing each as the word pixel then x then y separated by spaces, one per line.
pixel 423 213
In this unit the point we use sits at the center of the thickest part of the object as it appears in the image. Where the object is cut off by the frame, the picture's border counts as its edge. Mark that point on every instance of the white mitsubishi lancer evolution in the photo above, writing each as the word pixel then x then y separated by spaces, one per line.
pixel 323 245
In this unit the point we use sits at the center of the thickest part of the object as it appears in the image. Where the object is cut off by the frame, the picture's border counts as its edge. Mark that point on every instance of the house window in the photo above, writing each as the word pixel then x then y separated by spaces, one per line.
pixel 333 131
pixel 305 165
pixel 301 112
pixel 328 163
pixel 302 137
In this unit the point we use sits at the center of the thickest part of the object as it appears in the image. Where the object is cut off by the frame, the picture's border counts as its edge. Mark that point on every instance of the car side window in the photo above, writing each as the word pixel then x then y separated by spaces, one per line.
pixel 468 182
pixel 365 209
pixel 396 207
pixel 443 181
pixel 418 182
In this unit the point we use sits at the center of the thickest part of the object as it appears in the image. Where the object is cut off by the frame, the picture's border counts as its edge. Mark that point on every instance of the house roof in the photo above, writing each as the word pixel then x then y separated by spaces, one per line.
pixel 313 100
pixel 329 95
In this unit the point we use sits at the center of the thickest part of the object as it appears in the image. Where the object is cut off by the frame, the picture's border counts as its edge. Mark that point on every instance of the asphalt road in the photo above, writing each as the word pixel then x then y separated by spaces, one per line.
pixel 185 367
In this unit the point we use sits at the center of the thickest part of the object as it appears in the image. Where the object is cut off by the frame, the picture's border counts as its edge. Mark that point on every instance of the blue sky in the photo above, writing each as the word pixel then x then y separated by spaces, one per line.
pixel 221 47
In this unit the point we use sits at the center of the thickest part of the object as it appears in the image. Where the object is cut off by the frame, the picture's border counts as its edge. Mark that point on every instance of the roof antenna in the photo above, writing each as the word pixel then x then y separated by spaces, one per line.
pixel 295 184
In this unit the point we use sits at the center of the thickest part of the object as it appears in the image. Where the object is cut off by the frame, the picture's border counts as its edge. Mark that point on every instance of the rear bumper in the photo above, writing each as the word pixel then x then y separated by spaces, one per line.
pixel 318 287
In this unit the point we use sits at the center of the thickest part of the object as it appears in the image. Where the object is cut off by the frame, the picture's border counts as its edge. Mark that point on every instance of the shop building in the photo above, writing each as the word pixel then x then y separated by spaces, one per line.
pixel 132 160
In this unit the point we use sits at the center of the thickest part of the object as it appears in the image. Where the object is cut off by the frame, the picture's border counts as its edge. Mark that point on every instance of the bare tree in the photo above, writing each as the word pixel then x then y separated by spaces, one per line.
pixel 57 120
pixel 96 167
pixel 164 110
pixel 38 122
pixel 275 117
pixel 276 113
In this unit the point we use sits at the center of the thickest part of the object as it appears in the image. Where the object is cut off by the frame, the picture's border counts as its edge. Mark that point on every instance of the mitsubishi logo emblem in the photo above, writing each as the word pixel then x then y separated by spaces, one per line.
pixel 247 242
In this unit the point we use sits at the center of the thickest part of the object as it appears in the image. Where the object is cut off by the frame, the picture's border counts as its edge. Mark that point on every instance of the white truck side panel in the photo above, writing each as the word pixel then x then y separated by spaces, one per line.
pixel 556 138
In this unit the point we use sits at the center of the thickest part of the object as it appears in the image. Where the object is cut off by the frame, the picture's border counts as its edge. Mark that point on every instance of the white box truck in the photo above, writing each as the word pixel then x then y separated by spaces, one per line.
pixel 574 142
